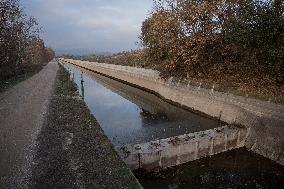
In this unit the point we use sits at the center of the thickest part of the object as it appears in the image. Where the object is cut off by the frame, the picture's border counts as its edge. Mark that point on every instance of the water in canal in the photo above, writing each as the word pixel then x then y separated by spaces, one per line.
pixel 235 169
pixel 129 115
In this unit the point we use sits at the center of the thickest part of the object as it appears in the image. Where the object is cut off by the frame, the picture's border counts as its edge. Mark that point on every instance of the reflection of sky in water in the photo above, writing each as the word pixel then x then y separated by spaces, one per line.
pixel 125 122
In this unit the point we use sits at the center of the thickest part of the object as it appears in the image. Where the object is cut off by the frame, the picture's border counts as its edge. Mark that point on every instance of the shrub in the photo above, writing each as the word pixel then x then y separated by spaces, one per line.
pixel 239 39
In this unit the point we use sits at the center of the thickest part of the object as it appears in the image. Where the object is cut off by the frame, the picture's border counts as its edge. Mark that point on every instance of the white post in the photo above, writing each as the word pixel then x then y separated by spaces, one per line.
pixel 188 84
pixel 170 80
pixel 212 90
pixel 199 86
pixel 178 83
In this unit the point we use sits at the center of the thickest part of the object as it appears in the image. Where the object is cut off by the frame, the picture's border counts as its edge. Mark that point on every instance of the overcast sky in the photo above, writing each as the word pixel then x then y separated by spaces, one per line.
pixel 96 25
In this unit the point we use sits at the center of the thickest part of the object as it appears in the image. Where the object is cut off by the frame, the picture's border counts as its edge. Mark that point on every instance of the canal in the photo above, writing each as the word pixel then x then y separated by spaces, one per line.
pixel 233 169
pixel 130 116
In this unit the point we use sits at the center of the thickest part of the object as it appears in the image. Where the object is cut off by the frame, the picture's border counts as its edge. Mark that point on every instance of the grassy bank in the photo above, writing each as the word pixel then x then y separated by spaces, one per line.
pixel 73 151
pixel 27 72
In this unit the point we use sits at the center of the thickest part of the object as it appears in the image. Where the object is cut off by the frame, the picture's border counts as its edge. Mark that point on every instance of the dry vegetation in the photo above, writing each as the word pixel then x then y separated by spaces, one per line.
pixel 237 45
pixel 132 58
pixel 20 45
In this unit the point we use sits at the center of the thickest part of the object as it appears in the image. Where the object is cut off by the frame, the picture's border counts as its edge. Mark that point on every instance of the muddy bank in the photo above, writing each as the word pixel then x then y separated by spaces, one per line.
pixel 72 150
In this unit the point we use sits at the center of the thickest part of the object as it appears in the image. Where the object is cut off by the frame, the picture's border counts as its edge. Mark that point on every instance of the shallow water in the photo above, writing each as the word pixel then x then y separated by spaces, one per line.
pixel 129 115
pixel 234 169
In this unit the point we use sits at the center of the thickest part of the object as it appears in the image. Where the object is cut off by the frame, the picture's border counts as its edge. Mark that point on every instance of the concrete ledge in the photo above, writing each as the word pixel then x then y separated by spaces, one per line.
pixel 182 149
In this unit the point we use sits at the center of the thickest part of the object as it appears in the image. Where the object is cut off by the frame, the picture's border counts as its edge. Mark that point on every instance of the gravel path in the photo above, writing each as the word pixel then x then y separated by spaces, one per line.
pixel 22 110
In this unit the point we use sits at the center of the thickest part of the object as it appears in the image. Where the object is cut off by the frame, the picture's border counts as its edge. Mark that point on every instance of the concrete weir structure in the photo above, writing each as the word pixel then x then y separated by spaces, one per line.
pixel 182 149
pixel 260 124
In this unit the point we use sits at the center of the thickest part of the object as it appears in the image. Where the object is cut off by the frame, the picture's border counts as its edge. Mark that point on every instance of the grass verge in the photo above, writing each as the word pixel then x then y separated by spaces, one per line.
pixel 28 72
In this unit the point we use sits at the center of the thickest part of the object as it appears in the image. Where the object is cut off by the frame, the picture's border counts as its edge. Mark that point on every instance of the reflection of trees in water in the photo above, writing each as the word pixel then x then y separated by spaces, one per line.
pixel 148 117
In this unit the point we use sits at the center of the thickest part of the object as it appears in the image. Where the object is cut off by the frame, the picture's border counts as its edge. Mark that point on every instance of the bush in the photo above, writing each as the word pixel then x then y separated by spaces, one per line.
pixel 240 40
pixel 131 58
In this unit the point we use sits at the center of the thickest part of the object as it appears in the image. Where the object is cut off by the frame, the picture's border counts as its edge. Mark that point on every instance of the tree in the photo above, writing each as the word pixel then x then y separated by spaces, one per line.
pixel 18 35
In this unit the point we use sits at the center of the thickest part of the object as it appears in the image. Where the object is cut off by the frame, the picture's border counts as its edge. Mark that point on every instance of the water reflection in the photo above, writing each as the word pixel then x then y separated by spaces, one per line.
pixel 234 169
pixel 148 118
pixel 130 115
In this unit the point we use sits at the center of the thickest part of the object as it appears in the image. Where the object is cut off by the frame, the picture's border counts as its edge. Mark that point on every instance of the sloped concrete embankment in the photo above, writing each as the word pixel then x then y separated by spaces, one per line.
pixel 265 120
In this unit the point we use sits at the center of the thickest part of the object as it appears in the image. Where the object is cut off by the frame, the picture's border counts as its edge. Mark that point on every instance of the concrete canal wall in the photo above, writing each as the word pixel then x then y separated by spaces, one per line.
pixel 184 148
pixel 265 120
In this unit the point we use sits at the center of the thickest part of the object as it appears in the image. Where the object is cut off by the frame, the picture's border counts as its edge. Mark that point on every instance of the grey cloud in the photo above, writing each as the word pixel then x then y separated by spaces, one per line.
pixel 99 25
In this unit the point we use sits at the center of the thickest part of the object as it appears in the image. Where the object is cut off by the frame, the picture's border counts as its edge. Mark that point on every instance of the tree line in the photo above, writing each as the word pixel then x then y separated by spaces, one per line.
pixel 20 44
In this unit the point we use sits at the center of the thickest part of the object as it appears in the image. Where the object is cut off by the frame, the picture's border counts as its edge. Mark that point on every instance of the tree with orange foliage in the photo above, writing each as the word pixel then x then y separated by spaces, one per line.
pixel 201 38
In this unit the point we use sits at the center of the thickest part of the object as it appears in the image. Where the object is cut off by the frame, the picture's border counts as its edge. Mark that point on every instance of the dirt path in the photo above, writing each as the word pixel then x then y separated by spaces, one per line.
pixel 22 110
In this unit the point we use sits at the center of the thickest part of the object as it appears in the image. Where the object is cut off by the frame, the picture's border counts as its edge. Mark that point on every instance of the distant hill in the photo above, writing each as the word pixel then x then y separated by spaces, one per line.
pixel 81 52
